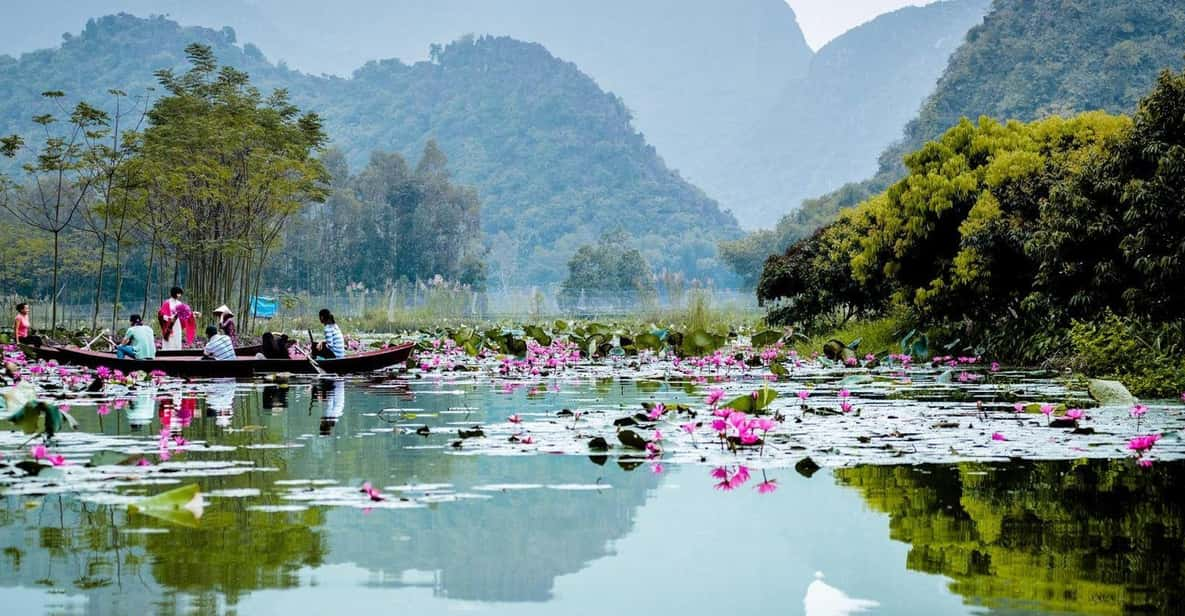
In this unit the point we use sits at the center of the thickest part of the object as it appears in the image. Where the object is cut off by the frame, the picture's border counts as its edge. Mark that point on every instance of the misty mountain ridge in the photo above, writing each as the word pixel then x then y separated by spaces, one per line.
pixel 554 158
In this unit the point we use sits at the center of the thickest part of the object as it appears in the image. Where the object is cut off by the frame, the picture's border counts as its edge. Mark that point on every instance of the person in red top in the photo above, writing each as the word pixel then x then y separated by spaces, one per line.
pixel 23 327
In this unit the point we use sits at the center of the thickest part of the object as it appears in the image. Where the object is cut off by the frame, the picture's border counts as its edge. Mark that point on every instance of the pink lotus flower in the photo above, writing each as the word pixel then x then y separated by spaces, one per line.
pixel 656 411
pixel 765 424
pixel 514 419
pixel 57 460
pixel 767 487
pixel 845 406
pixel 1141 444
pixel 1047 409
pixel 688 428
pixel 1019 407
pixel 843 393
pixel 995 366
pixel 719 425
pixel 180 440
pixel 1074 414
pixel 143 462
pixel 657 436
pixel 714 397
pixel 527 439
pixel 103 409
pixel 371 492
pixel 39 452
pixel 1138 411
pixel 870 357
pixel 996 436
pixel 803 394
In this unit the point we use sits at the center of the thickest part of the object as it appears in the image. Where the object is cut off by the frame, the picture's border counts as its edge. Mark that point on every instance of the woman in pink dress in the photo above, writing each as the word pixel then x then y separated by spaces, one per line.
pixel 178 323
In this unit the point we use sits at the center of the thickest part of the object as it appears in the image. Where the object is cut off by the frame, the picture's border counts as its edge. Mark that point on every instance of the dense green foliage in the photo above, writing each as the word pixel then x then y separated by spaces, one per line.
pixel 225 168
pixel 553 158
pixel 1005 231
pixel 609 273
pixel 389 222
pixel 1028 60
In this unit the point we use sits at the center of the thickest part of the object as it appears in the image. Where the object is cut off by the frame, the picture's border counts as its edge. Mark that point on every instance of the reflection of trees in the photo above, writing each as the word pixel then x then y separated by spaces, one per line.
pixel 511 547
pixel 1091 537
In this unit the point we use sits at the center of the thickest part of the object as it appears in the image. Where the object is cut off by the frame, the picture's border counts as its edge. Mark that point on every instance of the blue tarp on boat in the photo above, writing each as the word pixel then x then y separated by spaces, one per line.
pixel 264 307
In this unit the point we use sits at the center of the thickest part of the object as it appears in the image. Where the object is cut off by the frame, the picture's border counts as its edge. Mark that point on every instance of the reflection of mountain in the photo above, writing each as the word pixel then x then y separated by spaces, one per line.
pixel 510 547
pixel 1085 537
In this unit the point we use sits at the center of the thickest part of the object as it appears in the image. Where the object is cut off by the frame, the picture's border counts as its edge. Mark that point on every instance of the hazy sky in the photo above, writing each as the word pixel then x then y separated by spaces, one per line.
pixel 823 20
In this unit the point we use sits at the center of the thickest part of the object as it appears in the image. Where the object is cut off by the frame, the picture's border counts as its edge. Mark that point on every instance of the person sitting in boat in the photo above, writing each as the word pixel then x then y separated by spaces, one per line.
pixel 178 322
pixel 139 342
pixel 334 346
pixel 22 328
pixel 218 345
pixel 226 321
pixel 275 346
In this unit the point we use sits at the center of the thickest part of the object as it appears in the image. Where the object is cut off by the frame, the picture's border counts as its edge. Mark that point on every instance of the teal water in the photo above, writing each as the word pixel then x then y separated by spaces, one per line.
pixel 567 534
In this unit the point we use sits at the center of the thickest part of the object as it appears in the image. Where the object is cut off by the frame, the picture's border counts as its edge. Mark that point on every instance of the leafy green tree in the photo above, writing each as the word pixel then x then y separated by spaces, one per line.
pixel 607 274
pixel 59 180
pixel 228 168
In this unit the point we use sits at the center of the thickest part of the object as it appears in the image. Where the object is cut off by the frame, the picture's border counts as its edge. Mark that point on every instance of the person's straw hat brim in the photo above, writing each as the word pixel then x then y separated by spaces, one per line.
pixel 223 310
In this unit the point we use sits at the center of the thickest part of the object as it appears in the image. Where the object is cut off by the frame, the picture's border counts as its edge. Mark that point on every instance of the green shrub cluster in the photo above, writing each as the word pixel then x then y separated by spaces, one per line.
pixel 1003 235
pixel 1148 358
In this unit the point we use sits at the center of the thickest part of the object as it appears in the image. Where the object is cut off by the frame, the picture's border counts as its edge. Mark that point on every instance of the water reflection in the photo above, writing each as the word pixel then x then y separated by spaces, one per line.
pixel 1075 537
pixel 1041 536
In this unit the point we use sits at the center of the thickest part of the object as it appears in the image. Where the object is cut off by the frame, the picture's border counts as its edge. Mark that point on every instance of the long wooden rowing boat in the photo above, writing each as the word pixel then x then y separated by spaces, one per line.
pixel 239 367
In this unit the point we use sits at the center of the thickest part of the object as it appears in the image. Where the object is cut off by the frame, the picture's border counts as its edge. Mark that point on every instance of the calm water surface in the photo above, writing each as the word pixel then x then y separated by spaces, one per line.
pixel 551 534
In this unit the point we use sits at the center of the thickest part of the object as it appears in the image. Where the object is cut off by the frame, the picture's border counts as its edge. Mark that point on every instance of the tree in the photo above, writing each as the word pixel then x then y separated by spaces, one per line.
pixel 228 168
pixel 608 273
pixel 58 177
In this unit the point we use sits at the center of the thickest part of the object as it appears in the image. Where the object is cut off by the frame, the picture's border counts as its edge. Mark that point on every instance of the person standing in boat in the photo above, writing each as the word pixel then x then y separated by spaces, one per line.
pixel 334 346
pixel 218 345
pixel 226 322
pixel 22 328
pixel 178 322
pixel 139 342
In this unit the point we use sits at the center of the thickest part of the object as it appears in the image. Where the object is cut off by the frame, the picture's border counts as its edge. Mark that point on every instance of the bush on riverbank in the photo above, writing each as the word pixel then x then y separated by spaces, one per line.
pixel 1004 235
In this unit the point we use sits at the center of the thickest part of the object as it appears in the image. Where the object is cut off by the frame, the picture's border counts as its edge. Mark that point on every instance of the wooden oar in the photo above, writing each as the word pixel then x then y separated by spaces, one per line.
pixel 309 356
pixel 102 334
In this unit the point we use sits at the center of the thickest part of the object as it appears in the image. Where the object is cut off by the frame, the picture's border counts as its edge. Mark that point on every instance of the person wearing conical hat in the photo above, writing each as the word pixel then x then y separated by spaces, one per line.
pixel 226 321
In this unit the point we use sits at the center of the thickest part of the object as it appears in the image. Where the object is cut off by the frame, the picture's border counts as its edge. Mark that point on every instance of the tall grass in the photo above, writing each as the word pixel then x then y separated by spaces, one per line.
pixel 876 336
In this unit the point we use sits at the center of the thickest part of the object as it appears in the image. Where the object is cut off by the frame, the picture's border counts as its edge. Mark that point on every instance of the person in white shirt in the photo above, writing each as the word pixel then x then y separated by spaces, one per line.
pixel 219 345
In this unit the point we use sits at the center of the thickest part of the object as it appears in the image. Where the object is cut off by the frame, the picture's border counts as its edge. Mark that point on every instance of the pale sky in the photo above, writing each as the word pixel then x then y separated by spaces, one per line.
pixel 823 20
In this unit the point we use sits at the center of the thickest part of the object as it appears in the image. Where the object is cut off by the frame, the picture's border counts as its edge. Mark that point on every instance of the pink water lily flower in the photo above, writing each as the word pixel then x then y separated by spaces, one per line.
pixel 39 452
pixel 1047 409
pixel 803 394
pixel 57 460
pixel 657 436
pixel 527 439
pixel 371 492
pixel 656 411
pixel 1141 444
pixel 714 396
pixel 688 428
pixel 514 419
pixel 765 425
pixel 996 436
pixel 1019 407
pixel 843 393
pixel 1074 414
pixel 767 487
pixel 1139 410
pixel 845 406
pixel 103 409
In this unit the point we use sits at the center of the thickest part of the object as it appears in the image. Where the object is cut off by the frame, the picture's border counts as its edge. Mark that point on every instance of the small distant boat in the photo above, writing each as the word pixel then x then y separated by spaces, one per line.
pixel 190 366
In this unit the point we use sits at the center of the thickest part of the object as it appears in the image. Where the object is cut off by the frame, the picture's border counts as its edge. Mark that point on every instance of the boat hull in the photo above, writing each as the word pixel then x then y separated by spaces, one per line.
pixel 183 366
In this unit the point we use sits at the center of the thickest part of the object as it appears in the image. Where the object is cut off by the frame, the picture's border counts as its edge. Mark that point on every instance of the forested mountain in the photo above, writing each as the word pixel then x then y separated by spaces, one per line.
pixel 830 125
pixel 693 73
pixel 553 157
pixel 1028 60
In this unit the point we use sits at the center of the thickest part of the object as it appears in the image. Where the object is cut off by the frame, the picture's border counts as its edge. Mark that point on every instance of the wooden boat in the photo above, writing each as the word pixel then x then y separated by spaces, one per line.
pixel 188 366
